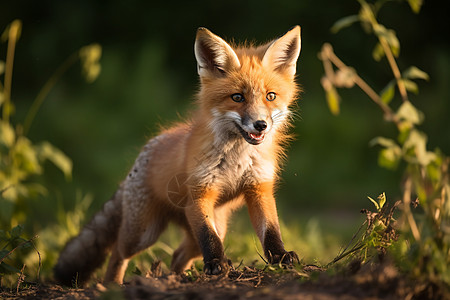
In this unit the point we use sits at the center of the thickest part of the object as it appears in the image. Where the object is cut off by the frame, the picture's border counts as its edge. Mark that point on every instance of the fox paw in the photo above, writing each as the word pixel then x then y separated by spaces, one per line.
pixel 286 258
pixel 216 266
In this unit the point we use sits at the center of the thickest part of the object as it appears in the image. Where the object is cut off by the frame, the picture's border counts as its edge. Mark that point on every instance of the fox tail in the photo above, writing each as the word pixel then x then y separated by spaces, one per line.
pixel 87 251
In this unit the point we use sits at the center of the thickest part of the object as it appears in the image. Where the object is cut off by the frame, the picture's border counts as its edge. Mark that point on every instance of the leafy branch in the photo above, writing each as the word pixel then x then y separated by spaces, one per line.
pixel 14 242
pixel 378 233
pixel 20 159
pixel 427 176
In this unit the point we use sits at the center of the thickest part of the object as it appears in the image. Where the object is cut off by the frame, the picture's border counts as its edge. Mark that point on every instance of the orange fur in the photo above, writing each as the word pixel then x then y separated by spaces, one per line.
pixel 196 173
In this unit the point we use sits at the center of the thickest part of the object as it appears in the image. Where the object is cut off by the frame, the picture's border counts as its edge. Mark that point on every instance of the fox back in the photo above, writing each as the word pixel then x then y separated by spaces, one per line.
pixel 197 172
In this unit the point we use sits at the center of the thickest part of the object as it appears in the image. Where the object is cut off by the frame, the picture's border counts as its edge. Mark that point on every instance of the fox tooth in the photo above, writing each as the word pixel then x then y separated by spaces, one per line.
pixel 257 136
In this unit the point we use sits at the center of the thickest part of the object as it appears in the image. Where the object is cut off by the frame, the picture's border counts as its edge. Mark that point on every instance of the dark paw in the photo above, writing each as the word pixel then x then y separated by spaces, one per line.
pixel 286 258
pixel 216 266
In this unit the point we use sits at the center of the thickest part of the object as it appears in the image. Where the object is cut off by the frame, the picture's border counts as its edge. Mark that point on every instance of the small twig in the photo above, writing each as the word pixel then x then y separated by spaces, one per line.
pixel 339 257
pixel 239 277
pixel 353 238
pixel 24 242
pixel 394 67
pixel 259 281
pixel 343 252
pixel 240 264
pixel 40 260
pixel 327 65
pixel 329 55
pixel 248 278
pixel 257 251
pixel 75 281
pixel 20 279
pixel 407 209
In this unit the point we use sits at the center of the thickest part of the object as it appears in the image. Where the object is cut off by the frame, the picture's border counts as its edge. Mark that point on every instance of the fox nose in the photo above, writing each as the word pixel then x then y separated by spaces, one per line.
pixel 260 125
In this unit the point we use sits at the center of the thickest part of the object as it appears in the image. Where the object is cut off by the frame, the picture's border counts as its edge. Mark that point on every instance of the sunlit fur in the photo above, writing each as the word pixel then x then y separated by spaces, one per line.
pixel 217 109
pixel 197 172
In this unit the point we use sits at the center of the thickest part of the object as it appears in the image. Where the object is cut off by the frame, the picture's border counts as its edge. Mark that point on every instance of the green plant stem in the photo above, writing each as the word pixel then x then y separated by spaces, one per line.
pixel 407 210
pixel 394 67
pixel 12 40
pixel 386 48
pixel 328 54
pixel 43 93
pixel 343 255
pixel 327 51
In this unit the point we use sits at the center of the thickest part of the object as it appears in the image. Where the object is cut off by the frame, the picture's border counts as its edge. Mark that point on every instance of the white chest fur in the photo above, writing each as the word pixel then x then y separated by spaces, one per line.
pixel 232 164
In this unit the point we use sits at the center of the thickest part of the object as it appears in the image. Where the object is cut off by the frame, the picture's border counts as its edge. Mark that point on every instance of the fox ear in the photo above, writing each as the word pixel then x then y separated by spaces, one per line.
pixel 282 54
pixel 214 56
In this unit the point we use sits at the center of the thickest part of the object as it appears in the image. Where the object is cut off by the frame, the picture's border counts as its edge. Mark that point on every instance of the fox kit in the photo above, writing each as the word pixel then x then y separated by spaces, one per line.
pixel 196 173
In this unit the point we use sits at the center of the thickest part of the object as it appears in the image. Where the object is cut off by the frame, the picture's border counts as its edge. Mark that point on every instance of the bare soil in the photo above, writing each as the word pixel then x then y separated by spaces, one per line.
pixel 368 282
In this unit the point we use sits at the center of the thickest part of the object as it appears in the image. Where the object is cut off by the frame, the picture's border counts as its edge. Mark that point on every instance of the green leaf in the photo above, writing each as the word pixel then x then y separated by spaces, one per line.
pixel 7 134
pixel 8 107
pixel 8 269
pixel 410 86
pixel 333 101
pixel 410 113
pixel 415 5
pixel 4 253
pixel 415 148
pixel 404 127
pixel 344 22
pixel 90 56
pixel 16 241
pixel 381 200
pixel 57 157
pixel 389 158
pixel 393 42
pixel 16 231
pixel 387 94
pixel 34 189
pixel 415 73
pixel 25 157
pixel 26 246
pixel 378 52
pixel 382 141
pixel 434 170
pixel 366 14
pixel 374 203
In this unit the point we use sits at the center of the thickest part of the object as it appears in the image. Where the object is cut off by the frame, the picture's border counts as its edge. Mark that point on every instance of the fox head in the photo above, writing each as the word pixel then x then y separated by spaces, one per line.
pixel 246 91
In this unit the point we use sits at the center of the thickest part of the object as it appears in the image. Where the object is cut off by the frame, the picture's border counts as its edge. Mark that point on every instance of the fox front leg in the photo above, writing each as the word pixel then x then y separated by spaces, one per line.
pixel 200 215
pixel 263 215
pixel 274 248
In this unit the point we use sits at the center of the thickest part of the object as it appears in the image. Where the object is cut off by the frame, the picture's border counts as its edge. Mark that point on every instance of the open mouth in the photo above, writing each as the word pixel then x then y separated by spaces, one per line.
pixel 250 137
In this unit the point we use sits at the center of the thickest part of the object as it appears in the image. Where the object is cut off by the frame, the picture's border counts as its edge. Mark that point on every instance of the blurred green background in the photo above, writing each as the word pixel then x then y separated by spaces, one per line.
pixel 149 78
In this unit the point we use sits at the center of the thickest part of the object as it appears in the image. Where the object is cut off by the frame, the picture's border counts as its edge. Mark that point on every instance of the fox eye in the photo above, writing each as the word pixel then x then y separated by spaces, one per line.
pixel 237 97
pixel 271 96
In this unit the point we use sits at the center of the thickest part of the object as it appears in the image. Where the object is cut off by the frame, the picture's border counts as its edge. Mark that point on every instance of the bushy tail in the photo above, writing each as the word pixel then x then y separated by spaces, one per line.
pixel 87 251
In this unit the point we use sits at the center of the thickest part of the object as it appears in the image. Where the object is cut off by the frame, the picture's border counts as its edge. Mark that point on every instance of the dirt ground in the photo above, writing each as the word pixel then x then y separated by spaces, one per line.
pixel 369 282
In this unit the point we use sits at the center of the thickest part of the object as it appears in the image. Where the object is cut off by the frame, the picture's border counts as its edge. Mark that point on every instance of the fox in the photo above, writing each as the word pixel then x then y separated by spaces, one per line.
pixel 196 173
